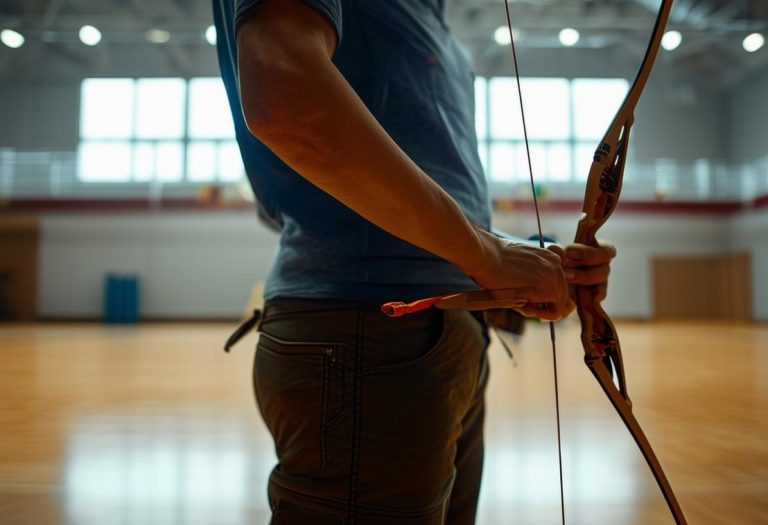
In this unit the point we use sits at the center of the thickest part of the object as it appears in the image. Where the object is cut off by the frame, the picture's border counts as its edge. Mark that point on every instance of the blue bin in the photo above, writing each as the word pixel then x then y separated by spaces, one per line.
pixel 121 299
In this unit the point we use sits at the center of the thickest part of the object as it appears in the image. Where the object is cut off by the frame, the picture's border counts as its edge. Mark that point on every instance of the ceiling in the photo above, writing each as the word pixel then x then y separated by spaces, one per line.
pixel 712 29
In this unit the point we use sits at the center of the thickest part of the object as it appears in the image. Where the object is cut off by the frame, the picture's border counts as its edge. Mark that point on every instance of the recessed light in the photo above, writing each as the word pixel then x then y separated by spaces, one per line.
pixel 501 36
pixel 11 38
pixel 158 36
pixel 210 35
pixel 569 37
pixel 753 42
pixel 89 35
pixel 671 40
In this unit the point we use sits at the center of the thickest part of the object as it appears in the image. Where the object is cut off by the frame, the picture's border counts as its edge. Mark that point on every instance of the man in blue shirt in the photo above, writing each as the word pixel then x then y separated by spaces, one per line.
pixel 356 125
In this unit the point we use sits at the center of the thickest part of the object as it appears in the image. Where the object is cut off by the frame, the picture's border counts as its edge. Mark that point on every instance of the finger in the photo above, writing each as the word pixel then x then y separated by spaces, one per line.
pixel 548 311
pixel 583 255
pixel 545 312
pixel 557 250
pixel 587 276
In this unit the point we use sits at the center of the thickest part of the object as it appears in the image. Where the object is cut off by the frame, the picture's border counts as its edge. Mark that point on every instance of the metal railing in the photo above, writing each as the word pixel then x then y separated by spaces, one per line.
pixel 53 175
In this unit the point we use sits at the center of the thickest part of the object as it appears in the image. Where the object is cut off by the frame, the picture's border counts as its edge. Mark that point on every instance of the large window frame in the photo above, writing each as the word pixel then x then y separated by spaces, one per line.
pixel 123 141
pixel 157 130
pixel 566 118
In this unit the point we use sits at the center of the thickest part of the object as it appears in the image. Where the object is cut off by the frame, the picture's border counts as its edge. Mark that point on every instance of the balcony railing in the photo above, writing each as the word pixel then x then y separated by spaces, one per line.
pixel 53 175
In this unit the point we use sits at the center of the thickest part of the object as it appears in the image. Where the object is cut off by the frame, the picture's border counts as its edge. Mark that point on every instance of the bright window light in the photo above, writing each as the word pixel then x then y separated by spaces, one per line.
pixel 210 35
pixel 505 109
pixel 230 162
pixel 11 38
pixel 585 152
pixel 89 35
pixel 209 113
pixel 671 40
pixel 144 126
pixel 546 108
pixel 753 42
pixel 104 161
pixel 594 105
pixel 503 167
pixel 144 162
pixel 107 108
pixel 538 162
pixel 160 108
pixel 482 151
pixel 569 37
pixel 169 161
pixel 481 107
pixel 566 118
pixel 559 162
pixel 201 161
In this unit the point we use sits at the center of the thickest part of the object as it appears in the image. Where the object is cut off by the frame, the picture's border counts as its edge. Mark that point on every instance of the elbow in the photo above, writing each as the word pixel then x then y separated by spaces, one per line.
pixel 256 118
pixel 257 104
pixel 269 100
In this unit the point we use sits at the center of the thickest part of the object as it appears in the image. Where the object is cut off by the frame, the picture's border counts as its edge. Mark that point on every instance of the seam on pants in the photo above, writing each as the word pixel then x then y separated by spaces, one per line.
pixel 323 413
pixel 356 417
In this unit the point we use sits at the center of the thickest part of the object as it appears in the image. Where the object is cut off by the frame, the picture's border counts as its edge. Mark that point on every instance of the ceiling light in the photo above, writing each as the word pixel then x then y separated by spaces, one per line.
pixel 157 36
pixel 89 35
pixel 569 37
pixel 671 40
pixel 210 35
pixel 11 38
pixel 501 36
pixel 753 42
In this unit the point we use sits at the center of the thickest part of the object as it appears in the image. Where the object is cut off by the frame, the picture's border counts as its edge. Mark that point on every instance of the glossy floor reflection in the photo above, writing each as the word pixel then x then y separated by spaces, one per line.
pixel 156 425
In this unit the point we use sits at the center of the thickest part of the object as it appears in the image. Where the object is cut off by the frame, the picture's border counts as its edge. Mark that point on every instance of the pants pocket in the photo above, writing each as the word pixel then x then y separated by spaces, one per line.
pixel 287 513
pixel 299 388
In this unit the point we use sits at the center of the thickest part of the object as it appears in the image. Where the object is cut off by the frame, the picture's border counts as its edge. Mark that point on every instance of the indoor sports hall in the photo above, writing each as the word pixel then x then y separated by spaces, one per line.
pixel 132 245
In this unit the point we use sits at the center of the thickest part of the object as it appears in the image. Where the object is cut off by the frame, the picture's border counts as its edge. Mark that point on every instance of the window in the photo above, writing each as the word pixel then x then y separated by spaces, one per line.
pixel 168 130
pixel 565 120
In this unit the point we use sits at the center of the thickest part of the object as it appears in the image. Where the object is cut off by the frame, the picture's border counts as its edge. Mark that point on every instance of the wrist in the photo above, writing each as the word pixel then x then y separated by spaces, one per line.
pixel 482 258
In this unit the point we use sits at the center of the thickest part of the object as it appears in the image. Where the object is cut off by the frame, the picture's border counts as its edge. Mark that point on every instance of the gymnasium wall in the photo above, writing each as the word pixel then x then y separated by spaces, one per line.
pixel 194 265
pixel 204 264
pixel 749 232
pixel 746 125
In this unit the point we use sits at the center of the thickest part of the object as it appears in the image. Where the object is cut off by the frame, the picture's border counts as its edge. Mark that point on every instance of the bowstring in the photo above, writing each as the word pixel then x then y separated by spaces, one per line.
pixel 541 244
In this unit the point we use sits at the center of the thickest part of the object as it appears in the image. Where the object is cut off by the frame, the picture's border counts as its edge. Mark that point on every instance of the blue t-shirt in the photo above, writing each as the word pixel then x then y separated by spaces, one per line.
pixel 403 62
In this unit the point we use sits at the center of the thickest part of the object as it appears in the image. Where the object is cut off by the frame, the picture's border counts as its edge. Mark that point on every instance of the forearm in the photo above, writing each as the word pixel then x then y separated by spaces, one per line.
pixel 299 105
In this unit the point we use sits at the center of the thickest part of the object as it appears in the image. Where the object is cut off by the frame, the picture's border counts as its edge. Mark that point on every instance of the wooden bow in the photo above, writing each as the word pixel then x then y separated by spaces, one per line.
pixel 602 351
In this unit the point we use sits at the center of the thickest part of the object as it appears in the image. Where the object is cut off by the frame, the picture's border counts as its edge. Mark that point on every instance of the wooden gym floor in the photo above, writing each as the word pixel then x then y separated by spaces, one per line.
pixel 156 425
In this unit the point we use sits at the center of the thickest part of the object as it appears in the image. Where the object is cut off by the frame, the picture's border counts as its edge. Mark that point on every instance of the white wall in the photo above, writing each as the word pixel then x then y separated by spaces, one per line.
pixel 189 264
pixel 746 125
pixel 638 239
pixel 197 265
pixel 749 232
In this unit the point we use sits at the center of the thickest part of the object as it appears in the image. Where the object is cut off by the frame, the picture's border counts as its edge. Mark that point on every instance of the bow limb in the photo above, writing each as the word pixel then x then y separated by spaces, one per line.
pixel 598 334
pixel 622 405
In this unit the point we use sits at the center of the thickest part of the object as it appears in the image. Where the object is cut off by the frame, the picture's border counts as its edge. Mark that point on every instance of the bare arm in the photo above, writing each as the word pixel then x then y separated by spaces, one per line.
pixel 297 103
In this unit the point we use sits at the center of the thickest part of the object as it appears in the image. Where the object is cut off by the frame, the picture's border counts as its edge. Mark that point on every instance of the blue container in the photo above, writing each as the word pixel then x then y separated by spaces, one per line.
pixel 121 299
